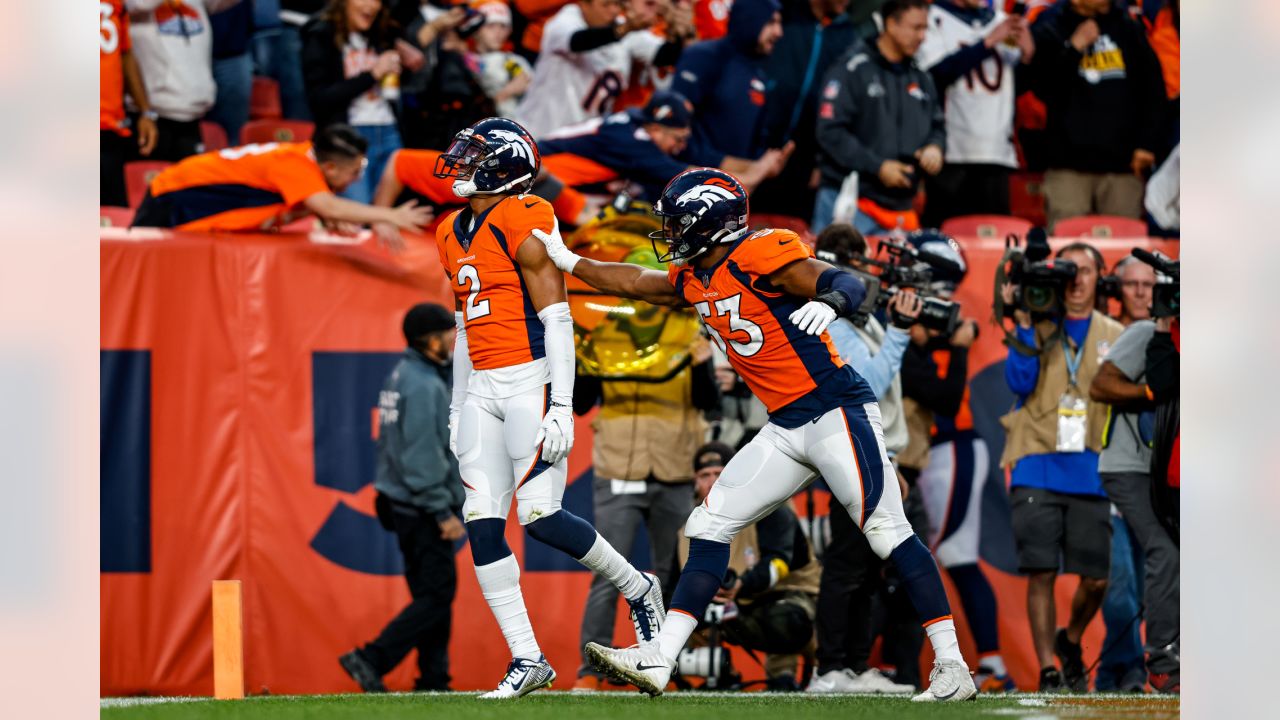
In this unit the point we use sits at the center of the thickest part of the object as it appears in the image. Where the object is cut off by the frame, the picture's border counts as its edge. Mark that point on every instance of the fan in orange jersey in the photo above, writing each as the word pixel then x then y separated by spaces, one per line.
pixel 511 419
pixel 767 303
pixel 117 70
pixel 263 187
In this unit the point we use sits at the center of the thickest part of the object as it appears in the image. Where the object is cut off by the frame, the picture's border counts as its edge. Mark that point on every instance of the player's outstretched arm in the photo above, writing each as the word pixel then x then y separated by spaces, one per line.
pixel 835 292
pixel 621 279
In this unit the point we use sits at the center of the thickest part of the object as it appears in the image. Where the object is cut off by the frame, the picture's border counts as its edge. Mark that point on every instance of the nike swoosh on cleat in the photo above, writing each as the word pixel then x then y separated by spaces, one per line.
pixel 954 690
pixel 642 668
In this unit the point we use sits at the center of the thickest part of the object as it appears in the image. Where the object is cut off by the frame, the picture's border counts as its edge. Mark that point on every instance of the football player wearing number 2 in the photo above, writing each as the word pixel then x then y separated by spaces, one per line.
pixel 511 419
pixel 767 302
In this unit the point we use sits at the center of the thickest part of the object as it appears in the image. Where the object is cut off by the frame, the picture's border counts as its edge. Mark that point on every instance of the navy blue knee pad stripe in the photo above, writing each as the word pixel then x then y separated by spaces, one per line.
pixel 920 573
pixel 564 531
pixel 701 576
pixel 488 540
pixel 867 453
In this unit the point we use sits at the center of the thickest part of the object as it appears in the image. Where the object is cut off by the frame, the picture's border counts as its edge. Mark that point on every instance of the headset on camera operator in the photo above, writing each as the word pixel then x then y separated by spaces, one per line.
pixel 767 599
pixel 1061 516
pixel 1140 379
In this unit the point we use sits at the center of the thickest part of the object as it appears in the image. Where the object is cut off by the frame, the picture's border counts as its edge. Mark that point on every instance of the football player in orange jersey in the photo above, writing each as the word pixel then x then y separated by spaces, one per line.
pixel 767 303
pixel 511 419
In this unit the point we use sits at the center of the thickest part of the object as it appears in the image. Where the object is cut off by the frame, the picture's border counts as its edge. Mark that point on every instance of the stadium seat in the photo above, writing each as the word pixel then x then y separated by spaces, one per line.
pixel 786 222
pixel 1026 197
pixel 212 135
pixel 265 131
pixel 986 226
pixel 1100 226
pixel 115 216
pixel 138 175
pixel 264 100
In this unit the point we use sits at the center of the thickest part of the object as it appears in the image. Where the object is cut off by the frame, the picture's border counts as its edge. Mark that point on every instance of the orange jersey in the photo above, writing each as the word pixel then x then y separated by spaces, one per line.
pixel 416 170
pixel 503 328
pixel 797 376
pixel 113 43
pixel 711 18
pixel 251 187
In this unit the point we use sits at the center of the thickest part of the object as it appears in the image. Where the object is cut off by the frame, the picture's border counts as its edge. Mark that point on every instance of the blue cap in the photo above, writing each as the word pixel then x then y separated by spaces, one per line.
pixel 669 108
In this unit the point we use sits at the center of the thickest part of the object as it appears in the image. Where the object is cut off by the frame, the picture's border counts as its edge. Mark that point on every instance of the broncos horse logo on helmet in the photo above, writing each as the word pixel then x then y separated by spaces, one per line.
pixel 492 157
pixel 700 208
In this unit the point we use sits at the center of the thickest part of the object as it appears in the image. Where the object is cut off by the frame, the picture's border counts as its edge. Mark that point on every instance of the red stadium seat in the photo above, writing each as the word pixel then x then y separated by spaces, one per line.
pixel 1100 226
pixel 212 135
pixel 264 100
pixel 138 175
pixel 115 216
pixel 785 222
pixel 265 131
pixel 986 226
pixel 1026 197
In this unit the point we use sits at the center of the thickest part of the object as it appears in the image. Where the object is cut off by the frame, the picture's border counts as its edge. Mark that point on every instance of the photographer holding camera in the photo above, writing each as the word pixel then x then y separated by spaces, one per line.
pixel 1061 516
pixel 1126 461
pixel 769 595
pixel 851 572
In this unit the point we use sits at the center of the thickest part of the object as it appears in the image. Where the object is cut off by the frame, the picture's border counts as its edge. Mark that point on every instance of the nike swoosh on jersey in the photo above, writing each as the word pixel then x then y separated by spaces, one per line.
pixel 784 242
pixel 535 202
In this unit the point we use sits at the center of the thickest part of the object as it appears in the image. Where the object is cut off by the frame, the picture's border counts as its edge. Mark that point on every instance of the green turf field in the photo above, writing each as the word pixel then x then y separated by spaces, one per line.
pixel 621 706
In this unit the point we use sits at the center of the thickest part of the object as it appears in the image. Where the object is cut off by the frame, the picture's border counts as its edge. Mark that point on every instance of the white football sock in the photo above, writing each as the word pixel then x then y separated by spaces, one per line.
pixel 675 632
pixel 994 663
pixel 500 585
pixel 609 564
pixel 942 635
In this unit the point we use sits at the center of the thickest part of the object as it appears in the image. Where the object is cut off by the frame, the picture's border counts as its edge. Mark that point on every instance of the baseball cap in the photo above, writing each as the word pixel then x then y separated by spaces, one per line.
pixel 496 12
pixel 713 454
pixel 669 108
pixel 425 318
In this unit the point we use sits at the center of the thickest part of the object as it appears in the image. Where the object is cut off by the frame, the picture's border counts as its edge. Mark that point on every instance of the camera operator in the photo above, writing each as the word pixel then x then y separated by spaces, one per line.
pixel 851 571
pixel 769 596
pixel 1125 466
pixel 1061 516
pixel 949 464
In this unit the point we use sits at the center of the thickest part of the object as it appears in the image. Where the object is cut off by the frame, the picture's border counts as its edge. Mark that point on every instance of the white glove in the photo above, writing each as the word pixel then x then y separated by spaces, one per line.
pixel 563 257
pixel 453 432
pixel 556 434
pixel 813 317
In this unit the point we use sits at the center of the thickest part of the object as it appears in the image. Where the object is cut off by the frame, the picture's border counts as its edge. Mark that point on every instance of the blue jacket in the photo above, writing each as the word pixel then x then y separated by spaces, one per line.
pixel 726 82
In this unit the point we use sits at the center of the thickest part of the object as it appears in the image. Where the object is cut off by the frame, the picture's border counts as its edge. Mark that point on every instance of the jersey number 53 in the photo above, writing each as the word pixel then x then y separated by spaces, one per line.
pixel 731 307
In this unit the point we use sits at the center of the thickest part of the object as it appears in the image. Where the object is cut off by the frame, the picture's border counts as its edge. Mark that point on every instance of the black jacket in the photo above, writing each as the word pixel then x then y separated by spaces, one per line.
pixel 329 91
pixel 872 110
pixel 1103 105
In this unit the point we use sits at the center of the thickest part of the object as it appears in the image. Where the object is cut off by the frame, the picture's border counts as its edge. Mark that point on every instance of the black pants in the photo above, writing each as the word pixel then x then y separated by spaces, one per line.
pixel 426 622
pixel 114 151
pixel 964 189
pixel 856 603
pixel 175 140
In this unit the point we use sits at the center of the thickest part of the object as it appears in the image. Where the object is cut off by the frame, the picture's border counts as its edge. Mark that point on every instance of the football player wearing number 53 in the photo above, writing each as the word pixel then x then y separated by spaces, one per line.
pixel 767 303
pixel 511 418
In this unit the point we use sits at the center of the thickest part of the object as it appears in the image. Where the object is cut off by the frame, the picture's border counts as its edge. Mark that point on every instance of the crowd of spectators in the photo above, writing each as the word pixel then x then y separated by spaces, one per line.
pixel 858 117
pixel 886 115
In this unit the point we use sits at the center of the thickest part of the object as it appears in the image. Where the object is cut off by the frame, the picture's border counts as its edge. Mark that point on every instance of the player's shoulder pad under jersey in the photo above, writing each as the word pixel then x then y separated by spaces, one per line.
pixel 520 216
pixel 767 250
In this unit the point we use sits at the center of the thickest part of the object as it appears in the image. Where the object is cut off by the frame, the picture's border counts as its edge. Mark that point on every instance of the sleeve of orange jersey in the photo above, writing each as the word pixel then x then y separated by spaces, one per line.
pixel 771 250
pixel 523 216
pixel 296 177
pixel 416 169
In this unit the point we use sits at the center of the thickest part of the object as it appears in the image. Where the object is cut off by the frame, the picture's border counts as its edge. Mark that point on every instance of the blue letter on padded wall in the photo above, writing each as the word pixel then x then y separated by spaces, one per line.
pixel 125 460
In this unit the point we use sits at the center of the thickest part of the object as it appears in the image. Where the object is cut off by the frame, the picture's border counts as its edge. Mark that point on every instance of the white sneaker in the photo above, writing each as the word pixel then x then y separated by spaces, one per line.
pixel 643 666
pixel 835 681
pixel 647 613
pixel 874 681
pixel 523 677
pixel 950 681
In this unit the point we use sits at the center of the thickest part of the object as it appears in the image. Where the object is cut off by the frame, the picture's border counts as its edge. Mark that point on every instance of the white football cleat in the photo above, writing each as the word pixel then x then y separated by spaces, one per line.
pixel 950 681
pixel 647 613
pixel 836 681
pixel 523 677
pixel 874 681
pixel 643 666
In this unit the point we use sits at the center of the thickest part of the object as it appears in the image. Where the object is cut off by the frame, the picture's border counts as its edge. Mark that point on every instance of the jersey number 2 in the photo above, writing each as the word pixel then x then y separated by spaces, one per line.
pixel 467 276
pixel 731 306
